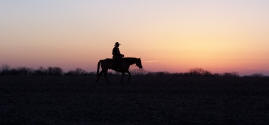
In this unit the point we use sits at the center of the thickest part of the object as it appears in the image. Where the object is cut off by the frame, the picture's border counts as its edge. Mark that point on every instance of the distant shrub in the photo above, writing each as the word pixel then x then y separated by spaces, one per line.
pixel 76 72
pixel 55 71
pixel 257 75
pixel 24 71
pixel 158 74
pixel 41 71
pixel 231 75
pixel 6 70
pixel 199 72
pixel 138 72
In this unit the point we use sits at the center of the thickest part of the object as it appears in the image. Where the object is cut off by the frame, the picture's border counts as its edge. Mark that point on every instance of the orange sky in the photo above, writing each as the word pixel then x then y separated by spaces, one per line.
pixel 169 35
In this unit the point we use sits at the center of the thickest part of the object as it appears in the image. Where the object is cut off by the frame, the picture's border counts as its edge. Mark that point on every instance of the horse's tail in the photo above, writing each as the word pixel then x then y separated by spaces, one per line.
pixel 98 67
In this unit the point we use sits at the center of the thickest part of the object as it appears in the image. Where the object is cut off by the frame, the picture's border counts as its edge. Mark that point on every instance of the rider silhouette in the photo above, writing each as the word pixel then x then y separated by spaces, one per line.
pixel 117 56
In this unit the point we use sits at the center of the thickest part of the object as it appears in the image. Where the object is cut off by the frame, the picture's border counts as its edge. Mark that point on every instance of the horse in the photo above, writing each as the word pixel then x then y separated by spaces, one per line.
pixel 123 68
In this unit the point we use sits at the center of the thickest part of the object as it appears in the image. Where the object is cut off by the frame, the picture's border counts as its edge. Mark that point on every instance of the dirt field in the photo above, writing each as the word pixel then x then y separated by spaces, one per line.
pixel 156 99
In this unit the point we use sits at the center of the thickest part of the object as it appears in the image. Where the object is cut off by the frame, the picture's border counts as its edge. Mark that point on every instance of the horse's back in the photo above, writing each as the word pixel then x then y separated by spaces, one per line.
pixel 106 60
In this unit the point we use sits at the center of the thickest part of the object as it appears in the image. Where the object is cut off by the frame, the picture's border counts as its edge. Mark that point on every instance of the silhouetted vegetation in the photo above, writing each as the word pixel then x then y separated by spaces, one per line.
pixel 77 72
pixel 48 96
pixel 5 70
pixel 50 71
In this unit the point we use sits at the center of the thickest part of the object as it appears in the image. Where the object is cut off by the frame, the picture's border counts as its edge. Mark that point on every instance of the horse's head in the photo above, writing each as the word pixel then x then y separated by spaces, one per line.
pixel 138 63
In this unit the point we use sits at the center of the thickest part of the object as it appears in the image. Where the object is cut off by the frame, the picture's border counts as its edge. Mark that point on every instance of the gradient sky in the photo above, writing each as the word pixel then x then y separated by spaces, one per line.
pixel 169 35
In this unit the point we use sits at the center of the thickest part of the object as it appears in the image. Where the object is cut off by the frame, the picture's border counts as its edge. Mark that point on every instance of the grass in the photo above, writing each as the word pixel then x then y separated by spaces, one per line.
pixel 148 99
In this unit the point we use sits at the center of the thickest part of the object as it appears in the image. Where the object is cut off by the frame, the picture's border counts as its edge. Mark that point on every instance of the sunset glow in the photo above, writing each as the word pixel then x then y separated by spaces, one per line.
pixel 168 35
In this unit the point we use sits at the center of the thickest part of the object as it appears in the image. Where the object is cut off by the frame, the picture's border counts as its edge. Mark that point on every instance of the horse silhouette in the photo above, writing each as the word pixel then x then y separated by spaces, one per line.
pixel 122 68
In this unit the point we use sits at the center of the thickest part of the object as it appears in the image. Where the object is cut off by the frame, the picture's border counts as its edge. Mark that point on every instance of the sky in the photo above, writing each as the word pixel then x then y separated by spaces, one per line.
pixel 168 35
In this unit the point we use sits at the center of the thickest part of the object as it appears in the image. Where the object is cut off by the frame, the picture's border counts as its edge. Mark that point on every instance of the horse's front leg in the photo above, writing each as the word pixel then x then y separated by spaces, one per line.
pixel 129 75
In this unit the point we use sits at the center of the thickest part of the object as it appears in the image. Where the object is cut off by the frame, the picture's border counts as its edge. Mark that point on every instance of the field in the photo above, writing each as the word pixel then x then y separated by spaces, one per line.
pixel 158 99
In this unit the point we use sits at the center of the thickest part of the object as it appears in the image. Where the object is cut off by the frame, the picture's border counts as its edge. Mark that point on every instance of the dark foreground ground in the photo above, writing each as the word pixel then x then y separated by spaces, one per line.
pixel 157 100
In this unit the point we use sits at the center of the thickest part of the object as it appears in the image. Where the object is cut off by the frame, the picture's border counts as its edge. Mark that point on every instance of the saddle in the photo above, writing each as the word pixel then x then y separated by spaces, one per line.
pixel 117 62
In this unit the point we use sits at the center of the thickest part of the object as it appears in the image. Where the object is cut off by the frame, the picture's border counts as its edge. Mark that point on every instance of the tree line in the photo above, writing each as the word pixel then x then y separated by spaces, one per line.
pixel 53 71
pixel 5 70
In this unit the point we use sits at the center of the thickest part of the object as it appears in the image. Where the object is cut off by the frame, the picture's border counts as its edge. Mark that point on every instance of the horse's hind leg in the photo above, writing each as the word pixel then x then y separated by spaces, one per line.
pixel 99 75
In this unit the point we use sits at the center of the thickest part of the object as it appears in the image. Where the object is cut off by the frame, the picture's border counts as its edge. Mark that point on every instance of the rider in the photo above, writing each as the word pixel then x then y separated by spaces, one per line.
pixel 117 56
